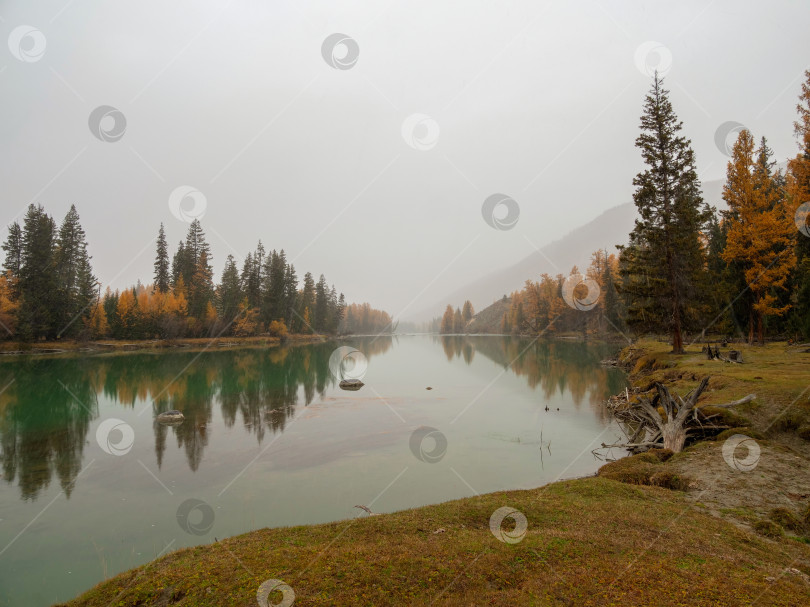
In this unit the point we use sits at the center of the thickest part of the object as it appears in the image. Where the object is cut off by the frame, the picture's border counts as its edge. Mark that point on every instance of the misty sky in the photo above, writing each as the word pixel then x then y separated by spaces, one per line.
pixel 539 101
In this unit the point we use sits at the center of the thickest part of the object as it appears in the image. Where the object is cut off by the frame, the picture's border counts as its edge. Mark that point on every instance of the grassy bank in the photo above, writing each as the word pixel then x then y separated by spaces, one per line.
pixel 133 345
pixel 589 542
pixel 774 497
pixel 594 541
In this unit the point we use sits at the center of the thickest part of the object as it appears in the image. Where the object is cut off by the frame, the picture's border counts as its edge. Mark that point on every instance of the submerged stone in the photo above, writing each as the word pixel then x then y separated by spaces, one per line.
pixel 171 417
pixel 351 384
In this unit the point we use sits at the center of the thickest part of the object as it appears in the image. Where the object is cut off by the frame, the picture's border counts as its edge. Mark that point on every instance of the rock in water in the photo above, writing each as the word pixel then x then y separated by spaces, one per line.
pixel 171 417
pixel 351 384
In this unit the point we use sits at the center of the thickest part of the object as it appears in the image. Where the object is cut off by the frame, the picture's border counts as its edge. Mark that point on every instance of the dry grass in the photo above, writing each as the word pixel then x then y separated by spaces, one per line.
pixel 773 497
pixel 589 542
pixel 778 374
pixel 131 345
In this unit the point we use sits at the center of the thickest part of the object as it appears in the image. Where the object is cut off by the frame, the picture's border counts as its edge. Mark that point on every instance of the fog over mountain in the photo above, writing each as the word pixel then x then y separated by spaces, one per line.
pixel 557 257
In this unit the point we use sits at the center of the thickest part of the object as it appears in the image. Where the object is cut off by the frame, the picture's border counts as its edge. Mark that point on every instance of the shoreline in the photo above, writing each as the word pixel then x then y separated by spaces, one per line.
pixel 109 346
pixel 708 540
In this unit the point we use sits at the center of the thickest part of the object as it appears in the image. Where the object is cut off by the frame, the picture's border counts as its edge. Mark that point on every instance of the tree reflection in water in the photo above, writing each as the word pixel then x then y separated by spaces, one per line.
pixel 552 366
pixel 49 403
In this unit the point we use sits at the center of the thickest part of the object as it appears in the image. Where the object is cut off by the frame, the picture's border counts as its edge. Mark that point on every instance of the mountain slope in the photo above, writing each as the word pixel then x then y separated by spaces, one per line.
pixel 575 248
pixel 489 319
pixel 604 232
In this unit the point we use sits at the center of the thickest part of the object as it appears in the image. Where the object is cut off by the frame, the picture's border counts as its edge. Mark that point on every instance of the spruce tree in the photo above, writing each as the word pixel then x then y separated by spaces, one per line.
pixel 88 290
pixel 196 244
pixel 13 260
pixel 201 288
pixel 290 294
pixel 664 259
pixel 229 294
pixel 162 277
pixel 244 278
pixel 38 279
pixel 332 311
pixel 180 265
pixel 252 277
pixel 76 284
pixel 306 303
pixel 273 287
pixel 320 318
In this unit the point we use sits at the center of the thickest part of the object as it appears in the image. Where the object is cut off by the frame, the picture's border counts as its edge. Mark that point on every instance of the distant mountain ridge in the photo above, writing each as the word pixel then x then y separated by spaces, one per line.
pixel 574 249
pixel 604 232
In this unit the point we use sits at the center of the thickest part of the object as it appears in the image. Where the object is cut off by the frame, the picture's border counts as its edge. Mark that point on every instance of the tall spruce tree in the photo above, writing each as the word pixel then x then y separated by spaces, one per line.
pixel 321 314
pixel 341 312
pixel 13 260
pixel 195 268
pixel 273 287
pixel 196 245
pixel 162 277
pixel 201 288
pixel 38 278
pixel 76 288
pixel 252 277
pixel 180 267
pixel 290 294
pixel 306 304
pixel 663 263
pixel 229 292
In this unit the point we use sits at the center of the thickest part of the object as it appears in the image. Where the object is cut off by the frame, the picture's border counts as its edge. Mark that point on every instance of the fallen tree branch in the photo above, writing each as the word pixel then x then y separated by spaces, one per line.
pixel 742 401
pixel 667 420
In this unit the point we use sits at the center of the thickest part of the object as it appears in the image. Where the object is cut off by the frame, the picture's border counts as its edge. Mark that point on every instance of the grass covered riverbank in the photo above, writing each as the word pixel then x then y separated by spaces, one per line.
pixel 593 541
pixel 11 348
pixel 588 542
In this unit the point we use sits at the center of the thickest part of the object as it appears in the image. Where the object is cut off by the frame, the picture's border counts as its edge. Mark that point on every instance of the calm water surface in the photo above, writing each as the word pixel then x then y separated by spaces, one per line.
pixel 269 440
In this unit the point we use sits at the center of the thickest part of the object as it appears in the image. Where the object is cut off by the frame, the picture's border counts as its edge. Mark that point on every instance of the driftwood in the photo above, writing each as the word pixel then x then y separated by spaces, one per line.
pixel 680 419
pixel 734 356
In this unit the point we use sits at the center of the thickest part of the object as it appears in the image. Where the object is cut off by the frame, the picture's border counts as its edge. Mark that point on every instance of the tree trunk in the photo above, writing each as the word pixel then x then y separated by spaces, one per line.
pixel 677 339
pixel 674 436
pixel 750 326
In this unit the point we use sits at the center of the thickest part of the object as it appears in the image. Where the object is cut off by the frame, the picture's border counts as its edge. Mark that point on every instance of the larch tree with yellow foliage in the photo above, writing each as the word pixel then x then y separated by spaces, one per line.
pixel 447 320
pixel 760 230
pixel 8 305
pixel 798 194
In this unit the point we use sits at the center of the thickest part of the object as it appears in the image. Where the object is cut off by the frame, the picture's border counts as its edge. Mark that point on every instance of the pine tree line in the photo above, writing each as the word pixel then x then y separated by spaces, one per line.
pixel 48 291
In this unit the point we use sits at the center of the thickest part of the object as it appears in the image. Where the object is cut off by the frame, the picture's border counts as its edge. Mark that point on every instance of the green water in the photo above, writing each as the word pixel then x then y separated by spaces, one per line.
pixel 269 439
